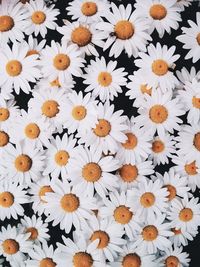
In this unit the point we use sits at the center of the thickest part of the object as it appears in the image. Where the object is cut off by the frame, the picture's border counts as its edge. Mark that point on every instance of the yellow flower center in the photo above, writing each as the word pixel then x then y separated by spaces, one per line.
pixel 147 199
pixel 145 90
pixel 32 52
pixel 10 246
pixel 176 231
pixel 128 173
pixel 171 190
pixel 82 259
pixel 131 143
pixel 4 114
pixel 50 108
pixel 81 36
pixel 61 62
pixel 89 9
pixel 79 113
pixel 105 79
pixel 55 83
pixel 158 113
pixel 103 238
pixel 23 163
pixel 43 190
pixel 124 29
pixel 4 138
pixel 149 233
pixel 62 157
pixel 160 67
pixel 6 199
pixel 13 68
pixel 122 214
pixel 191 168
pixel 38 17
pixel 32 131
pixel 91 172
pixel 47 262
pixel 158 146
pixel 196 102
pixel 186 215
pixel 6 23
pixel 131 260
pixel 198 38
pixel 172 261
pixel 34 233
pixel 158 12
pixel 69 202
pixel 197 141
pixel 103 128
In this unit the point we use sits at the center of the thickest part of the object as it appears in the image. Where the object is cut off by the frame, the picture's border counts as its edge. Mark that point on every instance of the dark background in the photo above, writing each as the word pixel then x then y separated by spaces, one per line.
pixel 122 102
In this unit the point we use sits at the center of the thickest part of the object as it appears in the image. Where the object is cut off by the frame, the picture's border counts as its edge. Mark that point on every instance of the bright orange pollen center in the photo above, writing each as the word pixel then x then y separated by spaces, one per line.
pixel 81 36
pixel 82 259
pixel 150 233
pixel 43 190
pixel 6 199
pixel 176 231
pixel 128 173
pixel 32 130
pixel 145 90
pixel 160 67
pixel 47 262
pixel 69 202
pixel 124 29
pixel 105 79
pixel 61 62
pixel 10 246
pixel 32 52
pixel 55 83
pixel 103 128
pixel 196 102
pixel 79 113
pixel 34 233
pixel 103 238
pixel 147 199
pixel 191 168
pixel 158 113
pixel 4 114
pixel 23 163
pixel 132 141
pixel 6 23
pixel 172 191
pixel 158 146
pixel 198 38
pixel 13 68
pixel 4 138
pixel 172 261
pixel 197 141
pixel 186 215
pixel 131 260
pixel 158 12
pixel 89 9
pixel 91 172
pixel 38 17
pixel 122 214
pixel 50 108
pixel 62 157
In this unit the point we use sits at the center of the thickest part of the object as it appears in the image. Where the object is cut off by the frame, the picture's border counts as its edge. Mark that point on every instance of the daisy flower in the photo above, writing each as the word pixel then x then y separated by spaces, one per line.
pixel 88 11
pixel 38 190
pixel 12 19
pixel 133 257
pixel 159 113
pixel 32 129
pixel 183 4
pixel 90 172
pixel 14 244
pixel 184 75
pixel 189 142
pixel 17 70
pixel 147 199
pixel 174 257
pixel 190 97
pixel 188 168
pixel 191 39
pixel 162 149
pixel 85 36
pixel 162 16
pixel 156 66
pixel 80 113
pixel 40 17
pixel 61 61
pixel 184 214
pixel 129 175
pixel 42 255
pixel 104 80
pixel 109 235
pixel 36 228
pixel 12 198
pixel 48 104
pixel 58 156
pixel 34 46
pixel 78 253
pixel 66 207
pixel 153 236
pixel 137 146
pixel 125 30
pixel 22 163
pixel 119 210
pixel 109 130
pixel 180 237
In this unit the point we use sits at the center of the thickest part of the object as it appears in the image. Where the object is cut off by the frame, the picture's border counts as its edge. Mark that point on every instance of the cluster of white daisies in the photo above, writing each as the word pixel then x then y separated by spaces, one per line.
pixel 79 164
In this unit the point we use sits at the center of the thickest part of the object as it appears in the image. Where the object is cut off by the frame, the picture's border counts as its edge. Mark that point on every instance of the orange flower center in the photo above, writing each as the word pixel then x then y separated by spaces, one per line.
pixel 62 157
pixel 131 260
pixel 38 17
pixel 171 190
pixel 158 113
pixel 145 90
pixel 50 108
pixel 124 29
pixel 32 131
pixel 23 163
pixel 32 52
pixel 158 146
pixel 172 261
pixel 103 128
pixel 13 68
pixel 55 83
pixel 47 262
pixel 79 113
pixel 198 38
pixel 128 173
pixel 122 215
pixel 69 202
pixel 103 238
pixel 4 138
pixel 176 231
pixel 150 233
pixel 91 172
pixel 147 199
pixel 186 215
pixel 160 67
pixel 196 102
pixel 82 259
pixel 43 190
pixel 89 9
pixel 197 141
pixel 81 36
pixel 61 62
pixel 105 79
pixel 132 141
pixel 34 233
pixel 158 12
pixel 10 246
pixel 6 23
pixel 191 168
pixel 6 199
pixel 4 114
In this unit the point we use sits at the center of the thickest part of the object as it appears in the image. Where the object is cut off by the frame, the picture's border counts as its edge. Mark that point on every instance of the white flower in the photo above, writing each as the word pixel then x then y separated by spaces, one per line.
pixel 183 3
pixel 185 75
pixel 181 237
pixel 34 46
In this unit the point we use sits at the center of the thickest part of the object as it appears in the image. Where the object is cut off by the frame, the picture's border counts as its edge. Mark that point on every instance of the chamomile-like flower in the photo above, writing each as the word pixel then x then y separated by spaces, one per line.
pixel 191 39
pixel 156 66
pixel 16 69
pixel 159 112
pixel 45 83
pixel 40 17
pixel 118 209
pixel 104 80
pixel 125 30
pixel 162 149
pixel 89 171
pixel 183 4
pixel 184 214
pixel 61 61
pixel 163 16
pixel 36 228
pixel 147 199
pixel 66 207
pixel 88 11
pixel 109 131
pixel 34 46
pixel 184 75
pixel 58 155
pixel 181 237
pixel 22 163
pixel 12 197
